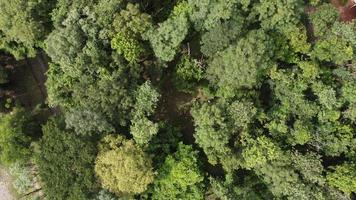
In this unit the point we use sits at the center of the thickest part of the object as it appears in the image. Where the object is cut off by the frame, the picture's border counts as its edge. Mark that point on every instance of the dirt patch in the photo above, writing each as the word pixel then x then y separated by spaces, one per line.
pixel 347 11
pixel 171 108
pixel 6 190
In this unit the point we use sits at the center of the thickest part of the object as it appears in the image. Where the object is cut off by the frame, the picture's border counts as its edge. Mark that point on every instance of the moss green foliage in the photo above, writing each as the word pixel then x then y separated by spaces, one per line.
pixel 96 81
pixel 129 47
pixel 278 14
pixel 122 167
pixel 180 176
pixel 3 75
pixel 29 24
pixel 222 35
pixel 24 179
pixel 187 74
pixel 65 162
pixel 167 37
pixel 240 66
pixel 142 128
pixel 325 16
pixel 343 178
pixel 17 131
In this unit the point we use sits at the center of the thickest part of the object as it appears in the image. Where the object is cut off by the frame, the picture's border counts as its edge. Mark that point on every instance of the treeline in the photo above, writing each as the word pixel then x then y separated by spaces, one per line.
pixel 272 89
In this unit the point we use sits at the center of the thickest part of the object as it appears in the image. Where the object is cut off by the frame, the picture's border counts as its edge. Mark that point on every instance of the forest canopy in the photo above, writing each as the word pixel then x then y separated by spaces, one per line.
pixel 184 99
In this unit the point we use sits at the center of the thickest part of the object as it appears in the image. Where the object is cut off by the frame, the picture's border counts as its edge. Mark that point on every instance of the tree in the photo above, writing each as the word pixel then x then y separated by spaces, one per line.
pixel 258 152
pixel 222 35
pixel 167 37
pixel 343 178
pixel 206 14
pixel 24 25
pixel 65 162
pixel 180 176
pixel 164 143
pixel 276 14
pixel 214 134
pixel 187 74
pixel 142 128
pixel 241 66
pixel 323 19
pixel 86 77
pixel 130 25
pixel 122 167
pixel 333 49
pixel 17 131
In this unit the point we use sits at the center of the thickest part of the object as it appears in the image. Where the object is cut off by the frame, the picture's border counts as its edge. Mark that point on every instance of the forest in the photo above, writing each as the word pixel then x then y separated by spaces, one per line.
pixel 178 99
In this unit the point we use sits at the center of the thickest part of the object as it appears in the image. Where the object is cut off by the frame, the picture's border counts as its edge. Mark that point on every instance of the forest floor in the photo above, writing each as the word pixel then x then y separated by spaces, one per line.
pixel 6 189
pixel 347 11
pixel 28 81
pixel 173 107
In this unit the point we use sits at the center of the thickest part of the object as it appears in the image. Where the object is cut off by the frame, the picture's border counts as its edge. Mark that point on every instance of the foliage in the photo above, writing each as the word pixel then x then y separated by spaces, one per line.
pixel 3 75
pixel 343 178
pixel 222 35
pixel 142 128
pixel 214 133
pixel 241 65
pixel 268 90
pixel 323 19
pixel 23 178
pixel 27 28
pixel 333 49
pixel 259 152
pixel 167 37
pixel 86 76
pixel 129 47
pixel 122 167
pixel 17 131
pixel 65 162
pixel 86 122
pixel 180 176
pixel 164 143
pixel 206 14
pixel 277 14
pixel 188 72
pixel 132 20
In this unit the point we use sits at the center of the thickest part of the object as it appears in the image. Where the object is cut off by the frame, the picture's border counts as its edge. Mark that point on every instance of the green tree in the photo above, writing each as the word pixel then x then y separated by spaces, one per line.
pixel 142 128
pixel 333 49
pixel 343 177
pixel 241 66
pixel 222 35
pixel 122 167
pixel 86 77
pixel 167 37
pixel 24 25
pixel 17 130
pixel 187 74
pixel 278 14
pixel 323 19
pixel 65 162
pixel 206 14
pixel 180 176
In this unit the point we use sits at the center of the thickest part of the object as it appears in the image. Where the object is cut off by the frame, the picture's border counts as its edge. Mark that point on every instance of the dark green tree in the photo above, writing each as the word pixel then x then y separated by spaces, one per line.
pixel 65 162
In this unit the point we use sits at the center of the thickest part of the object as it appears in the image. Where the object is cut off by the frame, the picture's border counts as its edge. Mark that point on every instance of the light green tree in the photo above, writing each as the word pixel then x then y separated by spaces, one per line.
pixel 180 176
pixel 122 167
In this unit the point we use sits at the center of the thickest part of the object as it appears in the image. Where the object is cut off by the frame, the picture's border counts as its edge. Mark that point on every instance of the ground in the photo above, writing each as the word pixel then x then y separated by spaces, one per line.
pixel 347 11
pixel 6 190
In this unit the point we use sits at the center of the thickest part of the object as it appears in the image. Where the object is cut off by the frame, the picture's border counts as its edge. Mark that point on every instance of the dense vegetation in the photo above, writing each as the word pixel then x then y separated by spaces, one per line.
pixel 183 99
